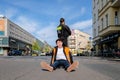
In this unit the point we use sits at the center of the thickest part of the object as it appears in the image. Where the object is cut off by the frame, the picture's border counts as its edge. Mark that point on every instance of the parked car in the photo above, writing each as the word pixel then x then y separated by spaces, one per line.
pixel 48 53
pixel 43 54
pixel 15 53
pixel 35 53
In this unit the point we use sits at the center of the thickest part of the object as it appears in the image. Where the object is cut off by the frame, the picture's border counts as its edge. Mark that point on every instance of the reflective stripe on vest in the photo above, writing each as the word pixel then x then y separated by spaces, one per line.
pixel 59 28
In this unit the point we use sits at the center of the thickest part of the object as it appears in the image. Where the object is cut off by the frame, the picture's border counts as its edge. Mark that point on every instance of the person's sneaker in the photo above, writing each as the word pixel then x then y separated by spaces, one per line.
pixel 46 66
pixel 73 66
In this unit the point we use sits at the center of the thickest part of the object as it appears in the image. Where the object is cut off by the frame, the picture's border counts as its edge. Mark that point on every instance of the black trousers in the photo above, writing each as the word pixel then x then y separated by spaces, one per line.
pixel 65 42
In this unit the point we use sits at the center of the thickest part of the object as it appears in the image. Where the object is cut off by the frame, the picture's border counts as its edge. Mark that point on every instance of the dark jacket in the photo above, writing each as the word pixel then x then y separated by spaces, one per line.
pixel 63 31
pixel 66 52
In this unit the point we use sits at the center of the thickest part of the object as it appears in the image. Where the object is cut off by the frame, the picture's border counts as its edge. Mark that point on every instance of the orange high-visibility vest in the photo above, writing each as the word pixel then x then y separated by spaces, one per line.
pixel 67 53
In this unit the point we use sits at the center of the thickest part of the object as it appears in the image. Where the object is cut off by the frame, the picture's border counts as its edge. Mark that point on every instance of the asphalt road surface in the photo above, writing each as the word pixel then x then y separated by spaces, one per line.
pixel 28 68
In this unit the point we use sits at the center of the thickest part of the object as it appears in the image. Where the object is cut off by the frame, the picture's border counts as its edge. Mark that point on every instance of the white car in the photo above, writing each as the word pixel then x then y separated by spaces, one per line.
pixel 43 54
pixel 74 54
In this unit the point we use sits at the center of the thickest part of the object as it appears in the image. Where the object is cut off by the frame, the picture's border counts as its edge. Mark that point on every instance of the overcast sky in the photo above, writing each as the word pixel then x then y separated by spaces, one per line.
pixel 41 17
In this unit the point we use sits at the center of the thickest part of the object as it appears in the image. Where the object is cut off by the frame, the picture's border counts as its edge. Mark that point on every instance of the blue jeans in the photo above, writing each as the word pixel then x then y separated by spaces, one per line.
pixel 60 62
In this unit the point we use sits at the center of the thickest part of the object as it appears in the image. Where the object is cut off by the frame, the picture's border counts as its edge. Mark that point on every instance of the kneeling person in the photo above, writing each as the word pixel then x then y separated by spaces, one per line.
pixel 61 56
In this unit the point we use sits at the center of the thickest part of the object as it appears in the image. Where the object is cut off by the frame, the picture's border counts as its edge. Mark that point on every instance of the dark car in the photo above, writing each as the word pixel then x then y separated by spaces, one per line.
pixel 15 53
pixel 117 53
pixel 48 54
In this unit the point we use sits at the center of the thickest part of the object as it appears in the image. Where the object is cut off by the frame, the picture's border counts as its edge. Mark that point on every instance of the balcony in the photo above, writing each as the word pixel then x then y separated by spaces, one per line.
pixel 72 47
pixel 72 42
pixel 110 29
pixel 115 3
pixel 96 38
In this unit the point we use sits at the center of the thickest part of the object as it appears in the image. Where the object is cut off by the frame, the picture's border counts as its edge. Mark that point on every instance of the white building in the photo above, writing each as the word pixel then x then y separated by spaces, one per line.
pixel 78 41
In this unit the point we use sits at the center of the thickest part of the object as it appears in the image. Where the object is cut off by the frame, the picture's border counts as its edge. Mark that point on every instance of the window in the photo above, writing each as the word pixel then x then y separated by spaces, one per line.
pixel 1 50
pixel 97 1
pixel 102 23
pixel 102 3
pixel 4 41
pixel 94 4
pixel 0 41
pixel 106 20
pixel 1 33
pixel 94 17
pixel 107 1
pixel 113 0
pixel 94 33
pixel 116 18
pixel 98 28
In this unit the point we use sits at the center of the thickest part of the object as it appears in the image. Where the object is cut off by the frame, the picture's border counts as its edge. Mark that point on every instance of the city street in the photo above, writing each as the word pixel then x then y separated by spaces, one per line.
pixel 28 68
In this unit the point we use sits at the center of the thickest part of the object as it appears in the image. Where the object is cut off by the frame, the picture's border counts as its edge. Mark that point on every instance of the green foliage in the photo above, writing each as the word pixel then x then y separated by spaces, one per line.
pixel 46 49
pixel 36 46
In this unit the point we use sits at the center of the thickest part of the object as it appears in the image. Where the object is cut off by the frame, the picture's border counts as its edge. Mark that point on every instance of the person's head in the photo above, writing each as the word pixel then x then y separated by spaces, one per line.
pixel 62 21
pixel 59 43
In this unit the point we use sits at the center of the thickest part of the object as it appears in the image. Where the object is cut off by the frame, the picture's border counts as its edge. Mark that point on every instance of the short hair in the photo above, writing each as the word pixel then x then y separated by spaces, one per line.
pixel 59 40
pixel 62 19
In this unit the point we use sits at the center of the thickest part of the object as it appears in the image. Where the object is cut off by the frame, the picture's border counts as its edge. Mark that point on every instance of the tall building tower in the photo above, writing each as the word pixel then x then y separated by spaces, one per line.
pixel 106 25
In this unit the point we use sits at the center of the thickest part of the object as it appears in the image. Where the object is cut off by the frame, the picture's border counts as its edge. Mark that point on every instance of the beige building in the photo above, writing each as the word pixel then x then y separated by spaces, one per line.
pixel 79 41
pixel 106 25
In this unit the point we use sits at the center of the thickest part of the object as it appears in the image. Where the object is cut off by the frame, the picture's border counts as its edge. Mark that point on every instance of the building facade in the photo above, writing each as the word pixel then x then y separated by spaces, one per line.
pixel 106 25
pixel 79 41
pixel 13 36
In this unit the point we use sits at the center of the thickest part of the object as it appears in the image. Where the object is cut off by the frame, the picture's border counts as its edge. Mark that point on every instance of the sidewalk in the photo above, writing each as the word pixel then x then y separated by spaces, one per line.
pixel 114 59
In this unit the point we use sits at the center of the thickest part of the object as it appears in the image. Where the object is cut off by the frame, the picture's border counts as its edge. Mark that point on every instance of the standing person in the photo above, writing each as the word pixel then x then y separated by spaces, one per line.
pixel 63 31
pixel 61 56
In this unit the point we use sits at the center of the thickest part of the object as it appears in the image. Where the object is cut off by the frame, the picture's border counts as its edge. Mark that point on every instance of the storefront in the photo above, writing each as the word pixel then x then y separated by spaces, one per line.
pixel 15 44
pixel 107 44
pixel 110 41
pixel 1 51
